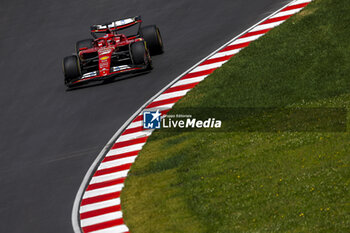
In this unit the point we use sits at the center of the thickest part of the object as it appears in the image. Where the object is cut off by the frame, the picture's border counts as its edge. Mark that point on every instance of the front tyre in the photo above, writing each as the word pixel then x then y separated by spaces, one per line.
pixel 71 69
pixel 153 38
pixel 139 54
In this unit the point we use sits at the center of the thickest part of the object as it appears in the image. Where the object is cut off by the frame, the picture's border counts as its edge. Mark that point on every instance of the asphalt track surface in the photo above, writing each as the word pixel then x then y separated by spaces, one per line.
pixel 50 136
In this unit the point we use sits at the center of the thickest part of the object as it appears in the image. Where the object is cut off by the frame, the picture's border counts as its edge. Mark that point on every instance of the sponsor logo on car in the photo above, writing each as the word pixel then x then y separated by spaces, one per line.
pixel 118 68
pixel 104 51
pixel 90 74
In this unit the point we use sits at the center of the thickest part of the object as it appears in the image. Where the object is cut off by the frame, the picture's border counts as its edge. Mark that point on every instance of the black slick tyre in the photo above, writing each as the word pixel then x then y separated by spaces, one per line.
pixel 71 69
pixel 138 53
pixel 153 39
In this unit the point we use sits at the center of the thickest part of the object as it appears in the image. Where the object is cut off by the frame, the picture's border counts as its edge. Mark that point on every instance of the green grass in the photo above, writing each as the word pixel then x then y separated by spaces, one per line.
pixel 256 181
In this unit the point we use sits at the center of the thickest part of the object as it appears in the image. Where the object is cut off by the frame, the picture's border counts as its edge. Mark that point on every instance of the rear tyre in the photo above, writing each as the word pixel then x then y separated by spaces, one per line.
pixel 139 54
pixel 87 43
pixel 71 69
pixel 153 38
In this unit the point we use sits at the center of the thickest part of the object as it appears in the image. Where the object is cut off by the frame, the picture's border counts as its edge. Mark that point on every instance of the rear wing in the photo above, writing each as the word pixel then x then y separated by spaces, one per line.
pixel 116 25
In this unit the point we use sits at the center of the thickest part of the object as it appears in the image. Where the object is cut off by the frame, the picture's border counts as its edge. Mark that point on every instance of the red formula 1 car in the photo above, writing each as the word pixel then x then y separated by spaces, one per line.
pixel 113 53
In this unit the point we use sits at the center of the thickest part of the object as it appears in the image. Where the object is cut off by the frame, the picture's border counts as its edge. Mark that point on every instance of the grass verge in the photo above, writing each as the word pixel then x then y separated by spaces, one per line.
pixel 256 181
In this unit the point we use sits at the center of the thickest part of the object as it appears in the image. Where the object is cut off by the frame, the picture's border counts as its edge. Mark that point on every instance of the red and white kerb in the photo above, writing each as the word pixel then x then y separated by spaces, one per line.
pixel 100 209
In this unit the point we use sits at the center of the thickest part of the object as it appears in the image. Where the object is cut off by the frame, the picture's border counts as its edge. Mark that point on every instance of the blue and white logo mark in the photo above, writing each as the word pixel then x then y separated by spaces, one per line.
pixel 151 120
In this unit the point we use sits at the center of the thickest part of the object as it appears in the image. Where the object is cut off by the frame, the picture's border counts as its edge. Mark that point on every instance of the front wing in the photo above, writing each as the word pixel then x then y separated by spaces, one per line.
pixel 115 71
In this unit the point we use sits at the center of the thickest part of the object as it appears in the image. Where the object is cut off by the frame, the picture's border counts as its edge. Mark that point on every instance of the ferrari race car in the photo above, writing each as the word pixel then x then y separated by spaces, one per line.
pixel 112 53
